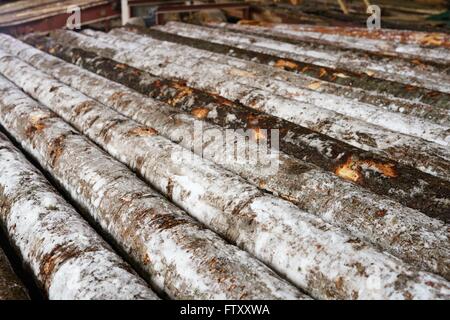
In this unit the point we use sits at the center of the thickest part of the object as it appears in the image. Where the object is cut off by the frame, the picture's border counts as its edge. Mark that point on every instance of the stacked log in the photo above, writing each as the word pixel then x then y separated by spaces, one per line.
pixel 168 60
pixel 392 96
pixel 11 288
pixel 66 256
pixel 409 72
pixel 301 91
pixel 413 45
pixel 315 256
pixel 352 205
pixel 174 253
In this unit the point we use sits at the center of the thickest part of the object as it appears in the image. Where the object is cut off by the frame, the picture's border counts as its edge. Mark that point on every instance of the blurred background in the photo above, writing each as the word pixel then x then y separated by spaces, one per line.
pixel 21 17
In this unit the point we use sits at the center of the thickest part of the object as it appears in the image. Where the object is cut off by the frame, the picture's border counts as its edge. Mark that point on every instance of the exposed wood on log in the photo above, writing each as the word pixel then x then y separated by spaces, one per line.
pixel 429 47
pixel 394 96
pixel 66 256
pixel 406 71
pixel 422 39
pixel 295 185
pixel 302 143
pixel 11 288
pixel 235 69
pixel 168 60
pixel 176 254
pixel 379 109
pixel 316 256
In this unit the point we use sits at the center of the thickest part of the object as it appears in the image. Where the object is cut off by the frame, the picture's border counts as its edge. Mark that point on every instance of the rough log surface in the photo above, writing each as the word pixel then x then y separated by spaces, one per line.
pixel 393 96
pixel 326 153
pixel 66 256
pixel 430 75
pixel 429 47
pixel 11 288
pixel 424 39
pixel 369 217
pixel 167 60
pixel 176 254
pixel 316 256
pixel 394 121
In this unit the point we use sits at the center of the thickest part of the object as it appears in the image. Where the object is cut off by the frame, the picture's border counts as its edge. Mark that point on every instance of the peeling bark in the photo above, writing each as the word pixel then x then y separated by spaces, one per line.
pixel 392 96
pixel 324 152
pixel 176 254
pixel 11 288
pixel 429 47
pixel 66 256
pixel 168 61
pixel 424 39
pixel 314 255
pixel 430 75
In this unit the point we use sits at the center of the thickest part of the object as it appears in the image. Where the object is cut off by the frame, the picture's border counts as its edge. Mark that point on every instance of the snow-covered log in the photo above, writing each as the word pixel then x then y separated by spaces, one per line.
pixel 66 256
pixel 386 95
pixel 314 255
pixel 174 253
pixel 410 72
pixel 11 288
pixel 353 209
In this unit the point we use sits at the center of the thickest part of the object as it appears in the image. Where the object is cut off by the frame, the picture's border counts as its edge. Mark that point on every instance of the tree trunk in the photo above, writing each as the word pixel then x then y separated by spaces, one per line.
pixel 314 255
pixel 174 253
pixel 429 47
pixel 389 95
pixel 433 76
pixel 222 79
pixel 335 101
pixel 353 209
pixel 65 255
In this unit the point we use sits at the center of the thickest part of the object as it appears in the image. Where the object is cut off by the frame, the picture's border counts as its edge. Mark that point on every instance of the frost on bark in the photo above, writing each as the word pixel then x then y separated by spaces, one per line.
pixel 169 61
pixel 65 255
pixel 176 254
pixel 314 255
pixel 364 214
pixel 380 175
pixel 11 288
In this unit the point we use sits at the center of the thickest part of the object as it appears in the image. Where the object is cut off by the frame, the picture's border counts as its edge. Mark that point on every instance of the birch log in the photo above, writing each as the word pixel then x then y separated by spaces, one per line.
pixel 65 255
pixel 409 186
pixel 388 95
pixel 227 82
pixel 353 209
pixel 432 76
pixel 336 103
pixel 314 255
pixel 412 45
pixel 11 288
pixel 176 254
pixel 424 39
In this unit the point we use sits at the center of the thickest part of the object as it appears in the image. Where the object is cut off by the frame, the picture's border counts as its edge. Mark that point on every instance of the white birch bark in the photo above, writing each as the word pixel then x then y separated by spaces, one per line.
pixel 314 255
pixel 67 257
pixel 176 254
